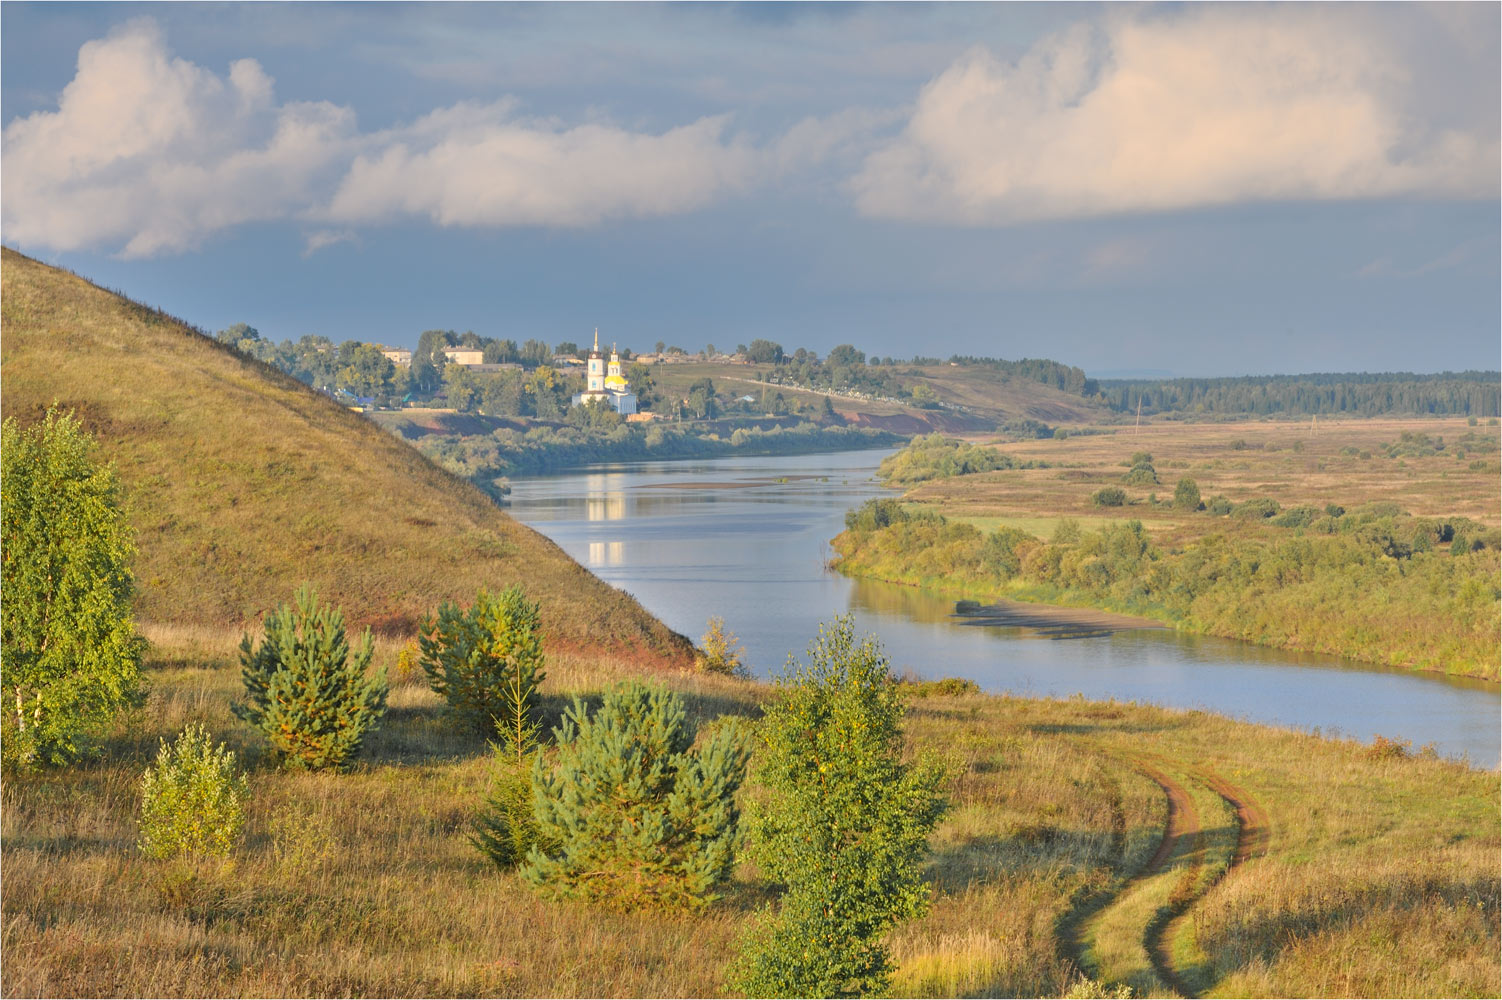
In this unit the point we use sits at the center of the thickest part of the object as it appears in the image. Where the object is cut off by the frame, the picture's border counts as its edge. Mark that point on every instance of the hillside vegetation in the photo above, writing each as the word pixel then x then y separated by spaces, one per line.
pixel 242 482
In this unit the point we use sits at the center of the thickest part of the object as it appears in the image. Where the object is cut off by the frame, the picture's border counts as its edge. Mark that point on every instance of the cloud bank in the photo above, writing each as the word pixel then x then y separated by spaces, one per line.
pixel 1215 106
pixel 147 154
pixel 1139 112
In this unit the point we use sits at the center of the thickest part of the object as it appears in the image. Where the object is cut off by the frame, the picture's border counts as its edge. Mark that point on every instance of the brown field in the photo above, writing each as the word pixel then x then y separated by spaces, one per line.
pixel 1291 462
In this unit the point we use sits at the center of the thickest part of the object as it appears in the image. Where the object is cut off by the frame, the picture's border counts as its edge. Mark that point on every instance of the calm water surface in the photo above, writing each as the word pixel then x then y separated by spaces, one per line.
pixel 747 539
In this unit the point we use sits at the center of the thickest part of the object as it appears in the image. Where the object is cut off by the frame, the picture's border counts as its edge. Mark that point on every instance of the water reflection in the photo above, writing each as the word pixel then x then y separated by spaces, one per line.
pixel 747 539
pixel 607 554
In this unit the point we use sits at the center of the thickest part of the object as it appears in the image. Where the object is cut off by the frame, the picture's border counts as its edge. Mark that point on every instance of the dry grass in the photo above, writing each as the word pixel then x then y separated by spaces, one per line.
pixel 242 482
pixel 1284 460
pixel 1381 877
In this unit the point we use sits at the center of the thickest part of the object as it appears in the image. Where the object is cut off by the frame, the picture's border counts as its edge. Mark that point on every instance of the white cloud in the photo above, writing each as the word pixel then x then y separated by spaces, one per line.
pixel 148 154
pixel 478 167
pixel 1152 112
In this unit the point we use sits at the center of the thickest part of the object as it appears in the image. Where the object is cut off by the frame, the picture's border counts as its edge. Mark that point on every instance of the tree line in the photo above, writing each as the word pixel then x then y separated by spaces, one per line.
pixel 1468 393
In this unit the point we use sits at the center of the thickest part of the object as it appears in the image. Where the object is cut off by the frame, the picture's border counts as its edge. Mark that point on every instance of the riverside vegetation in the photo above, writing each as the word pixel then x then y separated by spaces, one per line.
pixel 1066 861
pixel 1370 581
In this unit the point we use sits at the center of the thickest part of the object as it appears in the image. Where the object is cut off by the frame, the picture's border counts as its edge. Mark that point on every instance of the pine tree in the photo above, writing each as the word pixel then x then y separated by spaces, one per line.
pixel 505 829
pixel 846 826
pixel 69 653
pixel 639 819
pixel 313 703
pixel 472 656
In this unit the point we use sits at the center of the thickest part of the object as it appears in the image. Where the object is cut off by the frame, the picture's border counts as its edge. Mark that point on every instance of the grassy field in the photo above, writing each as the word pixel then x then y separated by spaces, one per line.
pixel 1336 461
pixel 242 482
pixel 1363 873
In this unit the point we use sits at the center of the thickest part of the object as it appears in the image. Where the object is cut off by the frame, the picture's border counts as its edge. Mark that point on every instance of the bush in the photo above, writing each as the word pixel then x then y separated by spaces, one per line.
pixel 1186 496
pixel 1296 517
pixel 192 801
pixel 720 650
pixel 846 826
pixel 1219 506
pixel 873 515
pixel 1141 475
pixel 313 703
pixel 69 657
pixel 632 817
pixel 1260 507
pixel 471 657
pixel 1109 496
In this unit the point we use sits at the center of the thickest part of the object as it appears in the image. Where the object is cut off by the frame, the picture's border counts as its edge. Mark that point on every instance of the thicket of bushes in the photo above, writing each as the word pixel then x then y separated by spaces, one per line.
pixel 934 456
pixel 1371 584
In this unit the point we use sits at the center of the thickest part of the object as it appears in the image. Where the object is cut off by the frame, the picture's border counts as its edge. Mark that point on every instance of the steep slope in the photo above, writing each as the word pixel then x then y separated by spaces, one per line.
pixel 242 482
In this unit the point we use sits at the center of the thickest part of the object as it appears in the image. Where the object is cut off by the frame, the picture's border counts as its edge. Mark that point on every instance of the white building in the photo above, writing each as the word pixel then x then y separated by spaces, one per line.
pixel 464 356
pixel 607 385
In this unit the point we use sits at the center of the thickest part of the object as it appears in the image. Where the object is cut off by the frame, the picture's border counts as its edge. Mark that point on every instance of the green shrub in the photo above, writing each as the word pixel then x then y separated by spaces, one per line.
pixel 1259 507
pixel 192 801
pixel 472 656
pixel 1109 496
pixel 69 654
pixel 638 818
pixel 720 650
pixel 1296 517
pixel 312 702
pixel 946 687
pixel 874 515
pixel 1186 496
pixel 845 828
pixel 1141 475
pixel 1219 506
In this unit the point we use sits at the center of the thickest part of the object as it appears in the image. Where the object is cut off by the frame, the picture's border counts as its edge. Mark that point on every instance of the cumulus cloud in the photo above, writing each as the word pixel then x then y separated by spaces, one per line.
pixel 1157 112
pixel 148 154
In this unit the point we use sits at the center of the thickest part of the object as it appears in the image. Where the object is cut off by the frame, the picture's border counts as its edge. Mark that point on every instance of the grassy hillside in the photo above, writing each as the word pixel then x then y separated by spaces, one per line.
pixel 243 482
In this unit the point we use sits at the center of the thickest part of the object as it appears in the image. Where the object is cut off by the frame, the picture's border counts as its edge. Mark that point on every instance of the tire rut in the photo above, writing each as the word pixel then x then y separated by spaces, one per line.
pixel 1182 837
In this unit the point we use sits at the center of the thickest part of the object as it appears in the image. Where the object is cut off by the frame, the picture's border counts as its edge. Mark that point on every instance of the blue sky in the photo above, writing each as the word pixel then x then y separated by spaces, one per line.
pixel 1221 189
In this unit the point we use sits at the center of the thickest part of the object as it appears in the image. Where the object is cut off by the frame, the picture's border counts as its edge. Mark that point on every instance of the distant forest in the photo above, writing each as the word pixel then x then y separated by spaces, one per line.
pixel 1469 393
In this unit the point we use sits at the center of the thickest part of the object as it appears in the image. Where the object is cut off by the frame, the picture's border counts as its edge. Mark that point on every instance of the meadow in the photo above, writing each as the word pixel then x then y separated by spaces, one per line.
pixel 1360 870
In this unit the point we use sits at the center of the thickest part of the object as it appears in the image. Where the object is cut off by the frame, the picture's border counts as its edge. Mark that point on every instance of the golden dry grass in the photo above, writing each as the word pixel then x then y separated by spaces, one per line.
pixel 1380 878
pixel 1291 462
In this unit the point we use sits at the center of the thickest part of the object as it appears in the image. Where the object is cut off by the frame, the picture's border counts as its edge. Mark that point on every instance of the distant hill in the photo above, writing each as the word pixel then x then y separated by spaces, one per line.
pixel 242 482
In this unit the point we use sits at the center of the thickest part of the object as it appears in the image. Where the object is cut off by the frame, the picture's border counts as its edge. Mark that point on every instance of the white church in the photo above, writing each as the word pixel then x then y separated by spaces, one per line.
pixel 607 384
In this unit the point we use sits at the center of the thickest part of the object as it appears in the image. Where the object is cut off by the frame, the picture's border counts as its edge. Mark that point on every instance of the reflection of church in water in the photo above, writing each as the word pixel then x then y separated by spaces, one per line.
pixel 608 386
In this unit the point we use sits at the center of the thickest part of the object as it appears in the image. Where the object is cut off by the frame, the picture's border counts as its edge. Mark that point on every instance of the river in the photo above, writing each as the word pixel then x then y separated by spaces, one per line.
pixel 748 538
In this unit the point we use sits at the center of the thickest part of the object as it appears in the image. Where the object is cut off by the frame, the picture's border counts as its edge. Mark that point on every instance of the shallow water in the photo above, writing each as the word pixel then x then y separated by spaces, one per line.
pixel 747 539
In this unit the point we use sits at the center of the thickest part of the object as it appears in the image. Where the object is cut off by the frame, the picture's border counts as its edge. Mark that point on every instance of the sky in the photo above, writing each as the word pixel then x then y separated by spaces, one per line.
pixel 1186 189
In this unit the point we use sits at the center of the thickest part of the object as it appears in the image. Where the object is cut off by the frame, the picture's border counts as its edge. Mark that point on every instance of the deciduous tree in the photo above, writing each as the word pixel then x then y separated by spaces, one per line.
pixel 71 656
